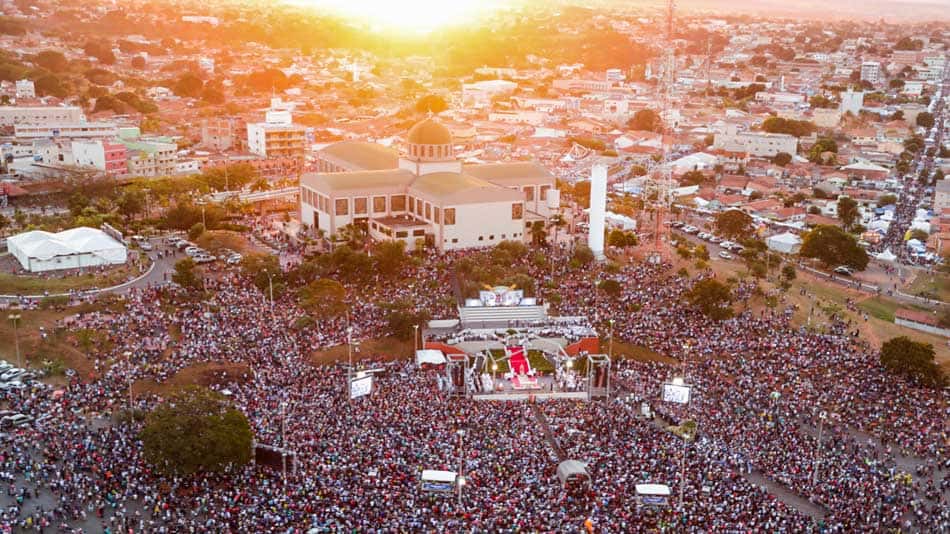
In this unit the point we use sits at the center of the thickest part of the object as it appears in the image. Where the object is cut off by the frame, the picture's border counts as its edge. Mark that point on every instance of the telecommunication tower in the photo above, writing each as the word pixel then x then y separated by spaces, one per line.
pixel 663 181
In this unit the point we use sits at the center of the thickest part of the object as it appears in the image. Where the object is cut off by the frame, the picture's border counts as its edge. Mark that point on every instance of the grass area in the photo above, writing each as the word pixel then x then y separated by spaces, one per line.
pixel 203 374
pixel 880 308
pixel 635 352
pixel 932 286
pixel 215 240
pixel 535 358
pixel 35 349
pixel 385 348
pixel 13 284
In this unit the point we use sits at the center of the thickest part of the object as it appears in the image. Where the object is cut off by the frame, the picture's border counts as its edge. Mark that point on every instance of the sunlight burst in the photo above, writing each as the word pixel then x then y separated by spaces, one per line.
pixel 407 15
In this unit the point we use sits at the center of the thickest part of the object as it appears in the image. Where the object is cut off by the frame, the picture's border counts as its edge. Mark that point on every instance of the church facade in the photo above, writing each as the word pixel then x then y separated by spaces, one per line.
pixel 424 195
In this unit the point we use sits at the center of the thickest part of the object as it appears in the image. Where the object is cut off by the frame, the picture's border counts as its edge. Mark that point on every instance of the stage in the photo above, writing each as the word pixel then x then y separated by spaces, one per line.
pixel 539 395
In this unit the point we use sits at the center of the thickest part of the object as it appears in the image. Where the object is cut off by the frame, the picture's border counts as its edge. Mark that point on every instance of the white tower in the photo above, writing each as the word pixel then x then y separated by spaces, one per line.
pixel 598 209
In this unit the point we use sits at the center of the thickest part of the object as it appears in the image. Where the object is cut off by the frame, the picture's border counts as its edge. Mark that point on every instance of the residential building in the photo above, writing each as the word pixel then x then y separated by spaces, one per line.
pixel 13 115
pixel 851 102
pixel 221 134
pixel 277 137
pixel 151 158
pixel 756 144
pixel 68 130
pixel 25 89
pixel 871 72
pixel 106 156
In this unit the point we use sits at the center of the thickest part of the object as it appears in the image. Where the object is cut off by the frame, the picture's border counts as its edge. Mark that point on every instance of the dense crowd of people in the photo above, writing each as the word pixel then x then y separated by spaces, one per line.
pixel 759 383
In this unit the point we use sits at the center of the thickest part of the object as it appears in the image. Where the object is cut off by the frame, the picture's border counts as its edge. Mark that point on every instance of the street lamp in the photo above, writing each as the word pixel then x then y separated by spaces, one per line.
pixel 283 439
pixel 415 338
pixel 611 350
pixel 128 358
pixel 494 372
pixel 821 421
pixel 461 475
pixel 15 318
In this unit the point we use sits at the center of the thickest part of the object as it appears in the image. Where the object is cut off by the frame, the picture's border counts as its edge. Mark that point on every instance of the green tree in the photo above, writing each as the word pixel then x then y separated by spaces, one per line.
pixel 712 297
pixel 185 275
pixel 402 318
pixel 847 211
pixel 782 159
pixel 196 431
pixel 264 271
pixel 583 255
pixel 324 298
pixel 821 101
pixel 925 119
pixel 833 246
pixel 196 231
pixel 610 287
pixel 100 50
pixel 189 85
pixel 389 257
pixel 788 126
pixel 431 104
pixel 646 119
pixel 539 233
pixel 734 223
pixel 131 203
pixel 886 200
pixel 694 177
pixel 822 145
pixel 912 359
pixel 788 272
pixel 51 60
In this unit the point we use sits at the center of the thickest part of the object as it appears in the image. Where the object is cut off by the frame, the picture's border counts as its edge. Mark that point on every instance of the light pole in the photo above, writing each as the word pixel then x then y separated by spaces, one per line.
pixel 349 359
pixel 494 373
pixel 283 439
pixel 415 338
pixel 570 366
pixel 461 475
pixel 611 350
pixel 821 420
pixel 15 318
pixel 128 358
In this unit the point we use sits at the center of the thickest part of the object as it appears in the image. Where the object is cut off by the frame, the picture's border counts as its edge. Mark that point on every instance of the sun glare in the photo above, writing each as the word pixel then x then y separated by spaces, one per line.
pixel 407 15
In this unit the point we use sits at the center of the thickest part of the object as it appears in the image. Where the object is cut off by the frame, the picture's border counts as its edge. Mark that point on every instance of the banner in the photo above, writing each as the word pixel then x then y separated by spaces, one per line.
pixel 361 386
pixel 676 393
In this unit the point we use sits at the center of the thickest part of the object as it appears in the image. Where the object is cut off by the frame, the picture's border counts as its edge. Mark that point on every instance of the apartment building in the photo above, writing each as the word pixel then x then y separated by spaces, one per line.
pixel 68 130
pixel 14 115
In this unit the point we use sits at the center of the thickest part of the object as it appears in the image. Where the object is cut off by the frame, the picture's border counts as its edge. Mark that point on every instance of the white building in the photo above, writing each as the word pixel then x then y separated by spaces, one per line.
pixel 25 89
pixel 206 64
pixel 763 145
pixel 425 196
pixel 70 130
pixel 851 101
pixel 779 98
pixel 942 195
pixel 77 248
pixel 13 115
pixel 480 94
pixel 871 72
pixel 614 75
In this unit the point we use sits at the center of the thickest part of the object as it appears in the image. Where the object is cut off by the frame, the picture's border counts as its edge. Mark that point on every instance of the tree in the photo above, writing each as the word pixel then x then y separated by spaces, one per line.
pixel 102 51
pixel 788 126
pixel 788 272
pixel 50 85
pixel 782 159
pixel 694 177
pixel 712 297
pixel 402 318
pixel 196 231
pixel 431 104
pixel 212 96
pixel 913 359
pixel 196 431
pixel 821 101
pixel 734 223
pixel 131 203
pixel 51 60
pixel 189 85
pixel 620 238
pixel 185 275
pixel 610 287
pixel 583 255
pixel 925 119
pixel 389 257
pixel 700 252
pixel 138 62
pixel 847 211
pixel 324 298
pixel 646 119
pixel 4 223
pixel 538 232
pixel 264 271
pixel 833 246
pixel 886 200
pixel 822 145
pixel 907 43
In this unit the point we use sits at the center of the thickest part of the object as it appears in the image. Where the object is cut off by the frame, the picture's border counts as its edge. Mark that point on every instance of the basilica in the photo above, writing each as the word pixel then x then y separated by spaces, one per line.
pixel 423 195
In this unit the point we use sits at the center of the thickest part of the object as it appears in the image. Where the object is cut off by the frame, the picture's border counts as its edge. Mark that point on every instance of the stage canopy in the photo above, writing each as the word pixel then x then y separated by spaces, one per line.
pixel 432 357
pixel 572 471
pixel 787 243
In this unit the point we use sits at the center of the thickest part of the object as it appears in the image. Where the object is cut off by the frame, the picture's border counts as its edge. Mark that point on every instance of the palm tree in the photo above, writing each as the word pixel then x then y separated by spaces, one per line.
pixel 556 222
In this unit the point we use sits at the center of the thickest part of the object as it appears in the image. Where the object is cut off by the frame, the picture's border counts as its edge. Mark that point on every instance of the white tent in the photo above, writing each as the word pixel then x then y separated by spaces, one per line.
pixel 787 243
pixel 39 251
pixel 887 255
pixel 434 357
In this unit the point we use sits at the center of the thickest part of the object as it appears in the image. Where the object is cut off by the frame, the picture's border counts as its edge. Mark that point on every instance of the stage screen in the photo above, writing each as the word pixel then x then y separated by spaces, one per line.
pixel 676 393
pixel 501 297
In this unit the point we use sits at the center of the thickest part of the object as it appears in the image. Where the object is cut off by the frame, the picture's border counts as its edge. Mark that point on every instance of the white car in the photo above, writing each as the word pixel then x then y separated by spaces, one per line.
pixel 5 366
pixel 12 374
pixel 203 258
pixel 725 255
pixel 145 245
pixel 12 385
pixel 234 259
pixel 15 420
pixel 715 239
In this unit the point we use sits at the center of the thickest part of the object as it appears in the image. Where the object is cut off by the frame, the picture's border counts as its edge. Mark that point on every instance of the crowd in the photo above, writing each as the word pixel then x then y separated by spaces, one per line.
pixel 759 386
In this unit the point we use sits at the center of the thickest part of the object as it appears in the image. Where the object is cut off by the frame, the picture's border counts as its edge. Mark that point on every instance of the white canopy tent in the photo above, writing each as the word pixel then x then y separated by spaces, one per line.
pixel 77 248
pixel 787 243
pixel 887 255
pixel 430 356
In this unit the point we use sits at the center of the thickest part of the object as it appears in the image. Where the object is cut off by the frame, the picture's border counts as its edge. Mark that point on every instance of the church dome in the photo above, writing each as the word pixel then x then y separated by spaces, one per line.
pixel 429 132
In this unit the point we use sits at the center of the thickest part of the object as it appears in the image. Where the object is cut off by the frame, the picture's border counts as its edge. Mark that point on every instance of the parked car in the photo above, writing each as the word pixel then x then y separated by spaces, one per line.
pixel 844 270
pixel 12 421
pixel 12 374
pixel 725 255
pixel 203 258
pixel 5 366
pixel 715 239
pixel 234 259
pixel 12 385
